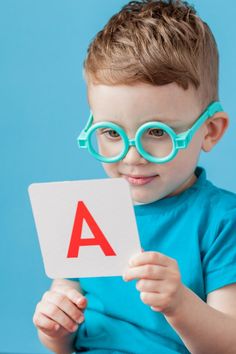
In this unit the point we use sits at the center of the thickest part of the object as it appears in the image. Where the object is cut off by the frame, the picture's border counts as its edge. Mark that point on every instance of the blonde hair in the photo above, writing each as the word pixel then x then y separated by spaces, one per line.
pixel 156 42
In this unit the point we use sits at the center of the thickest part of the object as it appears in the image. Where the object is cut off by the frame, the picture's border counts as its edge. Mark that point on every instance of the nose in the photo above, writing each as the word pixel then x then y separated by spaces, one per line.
pixel 133 157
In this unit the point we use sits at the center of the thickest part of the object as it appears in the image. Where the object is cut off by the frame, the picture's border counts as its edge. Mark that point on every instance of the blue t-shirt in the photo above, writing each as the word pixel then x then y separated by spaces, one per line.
pixel 198 229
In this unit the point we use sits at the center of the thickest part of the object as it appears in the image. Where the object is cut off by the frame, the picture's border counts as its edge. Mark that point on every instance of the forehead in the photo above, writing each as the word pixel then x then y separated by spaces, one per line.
pixel 136 104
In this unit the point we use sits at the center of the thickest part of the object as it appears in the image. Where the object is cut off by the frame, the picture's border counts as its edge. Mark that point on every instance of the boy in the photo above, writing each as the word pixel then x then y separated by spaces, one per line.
pixel 152 78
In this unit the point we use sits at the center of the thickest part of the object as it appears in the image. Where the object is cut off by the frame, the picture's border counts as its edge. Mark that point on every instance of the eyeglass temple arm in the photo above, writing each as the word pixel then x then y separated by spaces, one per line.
pixel 82 138
pixel 183 139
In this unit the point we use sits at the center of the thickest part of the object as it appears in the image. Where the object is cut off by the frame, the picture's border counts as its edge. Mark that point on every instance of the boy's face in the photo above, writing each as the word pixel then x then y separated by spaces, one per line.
pixel 132 106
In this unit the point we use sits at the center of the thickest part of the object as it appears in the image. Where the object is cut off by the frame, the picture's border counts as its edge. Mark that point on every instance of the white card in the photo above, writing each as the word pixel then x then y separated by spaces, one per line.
pixel 86 228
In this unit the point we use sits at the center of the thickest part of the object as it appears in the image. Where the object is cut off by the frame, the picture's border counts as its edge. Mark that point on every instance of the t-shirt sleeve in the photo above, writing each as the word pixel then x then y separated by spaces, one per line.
pixel 219 262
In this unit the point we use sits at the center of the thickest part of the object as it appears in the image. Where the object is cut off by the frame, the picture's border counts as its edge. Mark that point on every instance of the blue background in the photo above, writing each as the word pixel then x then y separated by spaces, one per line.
pixel 43 107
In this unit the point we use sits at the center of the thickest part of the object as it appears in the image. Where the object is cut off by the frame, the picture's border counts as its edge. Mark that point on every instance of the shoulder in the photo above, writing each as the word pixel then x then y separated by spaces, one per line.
pixel 218 222
pixel 215 199
pixel 222 203
pixel 221 206
pixel 223 198
pixel 214 209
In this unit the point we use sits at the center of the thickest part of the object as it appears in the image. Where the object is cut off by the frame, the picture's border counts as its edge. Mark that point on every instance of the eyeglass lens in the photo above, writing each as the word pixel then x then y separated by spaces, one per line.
pixel 109 143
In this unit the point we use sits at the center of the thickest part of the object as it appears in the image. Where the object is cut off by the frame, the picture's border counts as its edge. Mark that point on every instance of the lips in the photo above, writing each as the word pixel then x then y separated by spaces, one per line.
pixel 139 180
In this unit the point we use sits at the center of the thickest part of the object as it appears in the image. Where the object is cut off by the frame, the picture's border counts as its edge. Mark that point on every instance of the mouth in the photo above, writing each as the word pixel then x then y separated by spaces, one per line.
pixel 139 180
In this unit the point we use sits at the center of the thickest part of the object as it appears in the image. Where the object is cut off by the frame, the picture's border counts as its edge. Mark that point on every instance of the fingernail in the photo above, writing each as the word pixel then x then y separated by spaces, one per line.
pixel 80 300
pixel 81 319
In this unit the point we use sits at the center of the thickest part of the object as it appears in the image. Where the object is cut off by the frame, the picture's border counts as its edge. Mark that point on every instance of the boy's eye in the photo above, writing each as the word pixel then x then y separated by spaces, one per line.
pixel 157 132
pixel 110 133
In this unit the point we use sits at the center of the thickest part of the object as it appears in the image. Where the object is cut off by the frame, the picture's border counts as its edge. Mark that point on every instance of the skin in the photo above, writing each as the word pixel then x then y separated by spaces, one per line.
pixel 59 313
pixel 130 107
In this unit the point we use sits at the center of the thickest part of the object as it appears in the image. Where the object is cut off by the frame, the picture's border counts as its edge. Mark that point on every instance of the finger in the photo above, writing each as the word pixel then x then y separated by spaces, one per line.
pixel 44 323
pixel 148 271
pixel 150 258
pixel 56 314
pixel 65 304
pixel 148 285
pixel 153 299
pixel 74 295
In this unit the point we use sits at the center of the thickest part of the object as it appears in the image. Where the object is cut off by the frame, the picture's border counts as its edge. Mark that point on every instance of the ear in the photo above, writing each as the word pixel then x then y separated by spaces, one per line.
pixel 214 130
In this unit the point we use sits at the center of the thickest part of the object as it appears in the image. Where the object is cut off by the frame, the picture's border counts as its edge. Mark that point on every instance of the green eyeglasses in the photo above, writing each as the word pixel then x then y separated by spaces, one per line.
pixel 155 141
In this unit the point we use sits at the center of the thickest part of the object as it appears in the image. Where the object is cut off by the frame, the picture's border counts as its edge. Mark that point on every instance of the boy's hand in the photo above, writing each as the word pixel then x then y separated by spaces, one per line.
pixel 60 311
pixel 159 281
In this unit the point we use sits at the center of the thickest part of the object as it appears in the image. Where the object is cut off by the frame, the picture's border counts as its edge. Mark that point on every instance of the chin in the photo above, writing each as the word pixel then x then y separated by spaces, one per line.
pixel 143 197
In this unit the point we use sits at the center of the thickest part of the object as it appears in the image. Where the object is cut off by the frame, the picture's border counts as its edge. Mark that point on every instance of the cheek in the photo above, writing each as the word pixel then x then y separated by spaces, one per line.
pixel 111 169
pixel 193 150
pixel 184 162
pixel 191 154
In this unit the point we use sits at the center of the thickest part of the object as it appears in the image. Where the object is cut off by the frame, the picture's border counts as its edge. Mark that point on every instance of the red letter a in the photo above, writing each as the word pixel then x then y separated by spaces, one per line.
pixel 76 240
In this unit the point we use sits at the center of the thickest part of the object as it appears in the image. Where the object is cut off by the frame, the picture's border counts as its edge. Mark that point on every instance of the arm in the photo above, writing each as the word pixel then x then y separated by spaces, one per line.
pixel 205 328
pixel 57 315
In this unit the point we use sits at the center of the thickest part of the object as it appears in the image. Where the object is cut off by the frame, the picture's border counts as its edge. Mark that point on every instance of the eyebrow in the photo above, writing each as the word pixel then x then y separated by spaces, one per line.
pixel 175 124
pixel 157 119
pixel 162 118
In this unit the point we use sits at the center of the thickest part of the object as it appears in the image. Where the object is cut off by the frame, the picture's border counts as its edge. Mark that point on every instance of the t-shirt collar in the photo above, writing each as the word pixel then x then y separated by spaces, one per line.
pixel 166 202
